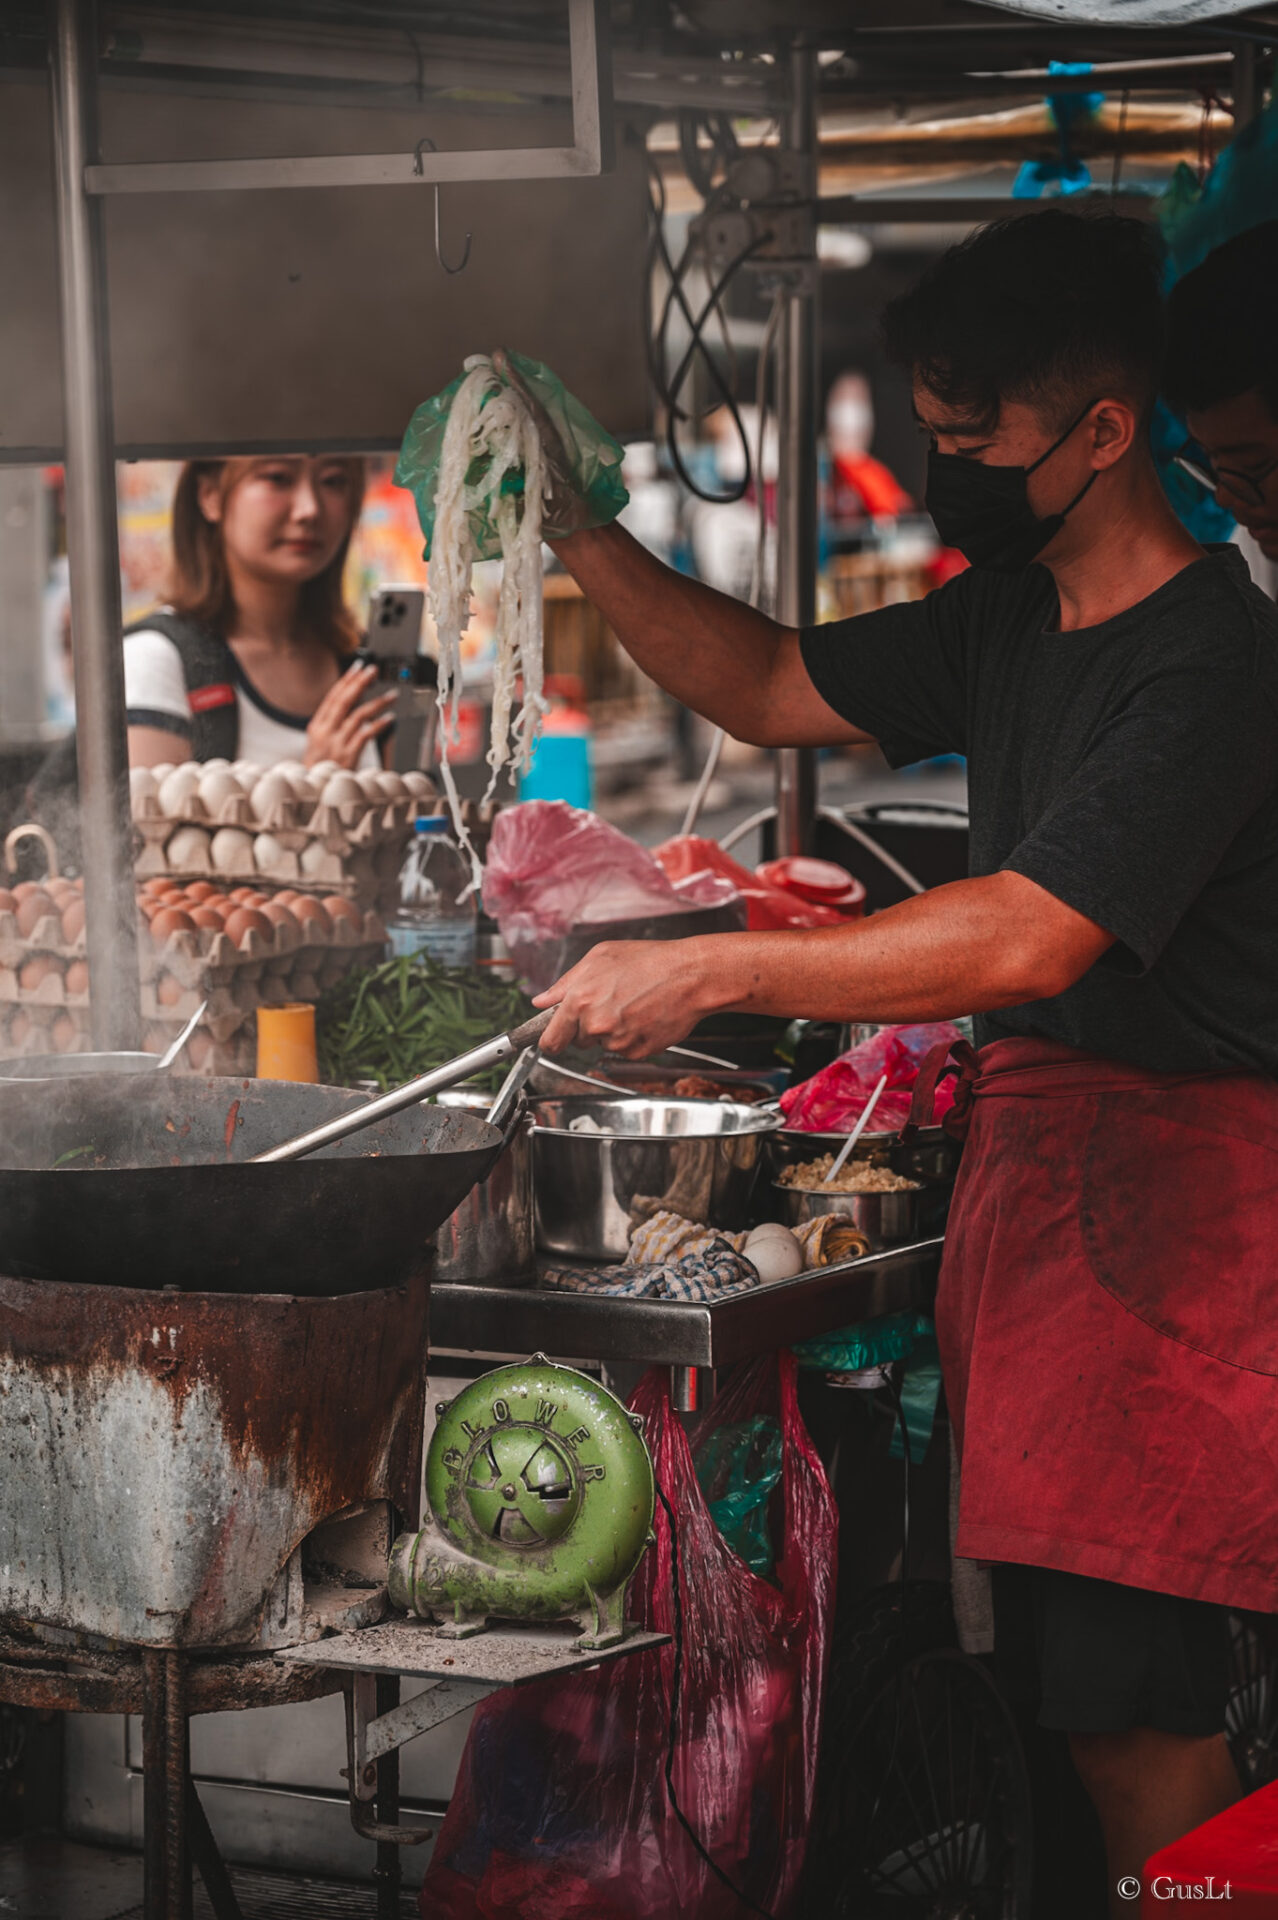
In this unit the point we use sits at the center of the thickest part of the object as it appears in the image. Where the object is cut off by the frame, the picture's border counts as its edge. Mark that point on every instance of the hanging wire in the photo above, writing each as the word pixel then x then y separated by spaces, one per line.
pixel 426 141
pixel 766 352
pixel 1116 176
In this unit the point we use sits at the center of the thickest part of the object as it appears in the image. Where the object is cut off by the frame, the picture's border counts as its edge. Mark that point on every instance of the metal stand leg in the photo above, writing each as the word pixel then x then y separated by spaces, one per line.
pixel 388 1872
pixel 165 1777
pixel 208 1861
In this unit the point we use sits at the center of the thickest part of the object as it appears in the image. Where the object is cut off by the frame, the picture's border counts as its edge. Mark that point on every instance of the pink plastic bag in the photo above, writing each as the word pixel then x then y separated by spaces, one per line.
pixel 831 1101
pixel 552 868
pixel 560 1811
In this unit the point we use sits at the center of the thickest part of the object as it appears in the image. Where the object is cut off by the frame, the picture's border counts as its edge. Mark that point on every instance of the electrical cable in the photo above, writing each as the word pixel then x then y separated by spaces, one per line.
pixel 751 1906
pixel 1118 143
pixel 719 735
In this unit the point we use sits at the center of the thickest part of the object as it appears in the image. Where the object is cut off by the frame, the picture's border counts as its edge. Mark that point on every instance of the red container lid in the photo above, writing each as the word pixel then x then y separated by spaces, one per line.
pixel 817 880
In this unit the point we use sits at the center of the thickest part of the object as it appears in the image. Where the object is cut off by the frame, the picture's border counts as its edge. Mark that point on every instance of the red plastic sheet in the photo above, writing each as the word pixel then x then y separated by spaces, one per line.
pixel 831 1101
pixel 560 1810
pixel 768 907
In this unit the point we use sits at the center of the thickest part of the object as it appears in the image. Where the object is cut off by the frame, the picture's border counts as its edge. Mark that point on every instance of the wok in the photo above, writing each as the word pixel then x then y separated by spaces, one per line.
pixel 163 1197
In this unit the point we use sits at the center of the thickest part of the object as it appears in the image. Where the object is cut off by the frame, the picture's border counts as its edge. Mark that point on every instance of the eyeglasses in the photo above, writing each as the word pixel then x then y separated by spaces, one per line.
pixel 1247 487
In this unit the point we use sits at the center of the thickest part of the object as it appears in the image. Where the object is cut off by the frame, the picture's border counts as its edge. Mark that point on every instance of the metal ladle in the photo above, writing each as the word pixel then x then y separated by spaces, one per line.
pixel 475 1060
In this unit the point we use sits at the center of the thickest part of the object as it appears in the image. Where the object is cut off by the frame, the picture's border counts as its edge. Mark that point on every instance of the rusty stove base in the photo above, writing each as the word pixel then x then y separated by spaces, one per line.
pixel 166 1686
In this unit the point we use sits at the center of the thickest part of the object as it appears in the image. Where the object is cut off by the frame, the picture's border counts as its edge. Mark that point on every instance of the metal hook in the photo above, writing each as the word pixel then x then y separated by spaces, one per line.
pixel 426 141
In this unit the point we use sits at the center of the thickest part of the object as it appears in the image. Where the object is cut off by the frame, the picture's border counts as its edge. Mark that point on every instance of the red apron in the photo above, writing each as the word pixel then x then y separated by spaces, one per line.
pixel 1108 1319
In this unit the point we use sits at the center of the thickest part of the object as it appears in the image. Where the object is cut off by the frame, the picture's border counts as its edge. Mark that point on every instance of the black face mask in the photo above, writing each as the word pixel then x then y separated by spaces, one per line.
pixel 985 511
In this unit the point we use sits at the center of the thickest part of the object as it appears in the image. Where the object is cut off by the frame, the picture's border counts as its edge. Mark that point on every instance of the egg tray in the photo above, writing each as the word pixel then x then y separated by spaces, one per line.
pixel 352 845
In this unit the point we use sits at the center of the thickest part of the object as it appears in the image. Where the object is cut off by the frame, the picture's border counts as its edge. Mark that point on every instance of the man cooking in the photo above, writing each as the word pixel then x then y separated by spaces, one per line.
pixel 1222 374
pixel 1105 1306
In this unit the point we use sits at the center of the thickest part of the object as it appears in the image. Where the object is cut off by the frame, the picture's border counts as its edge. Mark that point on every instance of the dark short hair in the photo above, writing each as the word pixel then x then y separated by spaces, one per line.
pixel 1049 308
pixel 1222 324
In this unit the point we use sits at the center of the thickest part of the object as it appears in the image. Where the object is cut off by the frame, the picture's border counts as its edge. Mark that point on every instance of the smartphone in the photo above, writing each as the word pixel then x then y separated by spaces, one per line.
pixel 394 629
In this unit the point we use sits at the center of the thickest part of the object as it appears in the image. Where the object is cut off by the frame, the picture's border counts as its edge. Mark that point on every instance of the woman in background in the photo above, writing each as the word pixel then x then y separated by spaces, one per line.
pixel 250 659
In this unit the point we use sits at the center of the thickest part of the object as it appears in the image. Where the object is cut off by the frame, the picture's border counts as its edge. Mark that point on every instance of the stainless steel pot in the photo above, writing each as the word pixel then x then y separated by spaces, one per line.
pixel 592 1188
pixel 887 1219
pixel 488 1241
pixel 69 1066
pixel 932 1157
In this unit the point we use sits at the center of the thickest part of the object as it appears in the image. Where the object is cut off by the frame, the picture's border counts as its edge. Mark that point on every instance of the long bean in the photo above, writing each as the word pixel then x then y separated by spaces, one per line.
pixel 391 1022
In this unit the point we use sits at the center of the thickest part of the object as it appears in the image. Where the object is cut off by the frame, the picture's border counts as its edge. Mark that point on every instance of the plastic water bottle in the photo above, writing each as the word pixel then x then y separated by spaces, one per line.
pixel 436 912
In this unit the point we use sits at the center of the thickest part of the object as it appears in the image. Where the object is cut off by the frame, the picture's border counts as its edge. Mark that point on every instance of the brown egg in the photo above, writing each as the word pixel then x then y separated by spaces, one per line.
pixel 338 907
pixel 9 902
pixel 25 888
pixel 287 896
pixel 279 915
pixel 19 1026
pixel 201 890
pixel 306 908
pixel 242 896
pixel 73 921
pixel 247 920
pixel 208 918
pixel 78 976
pixel 64 1033
pixel 171 920
pixel 59 890
pixel 156 886
pixel 198 1049
pixel 37 969
pixel 168 991
pixel 32 910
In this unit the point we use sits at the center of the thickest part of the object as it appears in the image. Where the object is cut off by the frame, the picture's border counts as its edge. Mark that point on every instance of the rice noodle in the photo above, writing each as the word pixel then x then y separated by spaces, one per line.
pixel 490 433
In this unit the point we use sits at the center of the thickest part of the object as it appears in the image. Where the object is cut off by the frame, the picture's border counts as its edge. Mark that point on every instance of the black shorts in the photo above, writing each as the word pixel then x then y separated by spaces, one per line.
pixel 1090 1656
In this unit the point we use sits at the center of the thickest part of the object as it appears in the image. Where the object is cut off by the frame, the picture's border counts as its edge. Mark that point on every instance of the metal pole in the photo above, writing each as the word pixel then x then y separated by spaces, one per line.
pixel 797 476
pixel 93 548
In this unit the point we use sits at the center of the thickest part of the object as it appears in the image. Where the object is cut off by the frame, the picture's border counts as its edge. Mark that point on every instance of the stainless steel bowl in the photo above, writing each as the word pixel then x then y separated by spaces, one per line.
pixel 67 1066
pixel 488 1240
pixel 887 1219
pixel 592 1189
pixel 933 1156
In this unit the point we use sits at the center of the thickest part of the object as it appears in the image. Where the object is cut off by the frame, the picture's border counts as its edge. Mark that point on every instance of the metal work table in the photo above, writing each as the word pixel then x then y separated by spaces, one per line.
pixel 582 1326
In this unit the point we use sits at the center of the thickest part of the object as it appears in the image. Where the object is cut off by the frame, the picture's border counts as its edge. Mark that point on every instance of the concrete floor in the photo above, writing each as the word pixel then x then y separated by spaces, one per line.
pixel 53 1879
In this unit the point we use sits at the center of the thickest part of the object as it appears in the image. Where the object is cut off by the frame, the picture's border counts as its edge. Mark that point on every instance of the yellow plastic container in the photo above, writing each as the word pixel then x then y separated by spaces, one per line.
pixel 286 1043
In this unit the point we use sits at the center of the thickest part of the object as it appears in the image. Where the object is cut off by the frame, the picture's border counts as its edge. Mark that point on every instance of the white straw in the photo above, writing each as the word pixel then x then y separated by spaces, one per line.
pixel 856 1132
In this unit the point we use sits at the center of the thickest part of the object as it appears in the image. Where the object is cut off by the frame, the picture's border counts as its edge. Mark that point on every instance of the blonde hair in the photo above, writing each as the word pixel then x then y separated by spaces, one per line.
pixel 201 583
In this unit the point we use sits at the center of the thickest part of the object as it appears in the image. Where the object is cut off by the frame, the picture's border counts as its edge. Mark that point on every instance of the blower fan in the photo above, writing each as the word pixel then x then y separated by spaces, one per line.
pixel 541 1497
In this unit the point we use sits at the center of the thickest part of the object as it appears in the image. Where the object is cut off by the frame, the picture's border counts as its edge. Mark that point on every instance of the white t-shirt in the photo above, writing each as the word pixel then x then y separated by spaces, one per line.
pixel 155 696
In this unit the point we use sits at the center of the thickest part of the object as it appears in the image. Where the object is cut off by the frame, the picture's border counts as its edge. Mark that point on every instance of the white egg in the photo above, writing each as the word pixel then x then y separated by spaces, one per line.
pixel 323 770
pixel 315 859
pixel 289 768
pixel 232 850
pixel 248 773
pixel 162 771
pixel 187 850
pixel 143 786
pixel 341 790
pixel 218 785
pixel 216 766
pixel 370 784
pixel 177 790
pixel 392 785
pixel 774 1252
pixel 271 791
pixel 420 785
pixel 268 854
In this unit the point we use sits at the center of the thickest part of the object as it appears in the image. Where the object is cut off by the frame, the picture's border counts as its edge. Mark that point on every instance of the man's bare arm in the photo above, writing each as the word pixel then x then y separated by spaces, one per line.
pixel 971 947
pixel 715 654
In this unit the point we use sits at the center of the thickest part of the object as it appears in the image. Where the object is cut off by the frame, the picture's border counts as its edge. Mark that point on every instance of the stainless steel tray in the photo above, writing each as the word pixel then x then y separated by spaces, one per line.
pixel 582 1326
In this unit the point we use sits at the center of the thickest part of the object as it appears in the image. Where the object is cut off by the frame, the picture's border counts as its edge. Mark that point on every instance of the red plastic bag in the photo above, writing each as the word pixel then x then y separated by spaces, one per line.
pixel 769 907
pixel 831 1101
pixel 560 1811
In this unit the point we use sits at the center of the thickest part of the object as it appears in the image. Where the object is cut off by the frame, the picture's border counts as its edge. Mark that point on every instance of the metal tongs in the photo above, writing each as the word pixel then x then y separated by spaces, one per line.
pixel 476 1060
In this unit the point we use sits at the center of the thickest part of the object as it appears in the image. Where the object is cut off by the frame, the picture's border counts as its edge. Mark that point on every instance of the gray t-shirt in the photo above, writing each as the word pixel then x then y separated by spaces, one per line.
pixel 1130 769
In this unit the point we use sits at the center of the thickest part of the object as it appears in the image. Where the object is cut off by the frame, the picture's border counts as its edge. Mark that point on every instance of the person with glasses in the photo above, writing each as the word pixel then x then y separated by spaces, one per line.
pixel 1221 376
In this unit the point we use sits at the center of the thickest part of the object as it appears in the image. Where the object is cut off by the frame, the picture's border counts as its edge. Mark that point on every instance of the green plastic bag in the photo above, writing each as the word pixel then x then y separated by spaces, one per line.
pixel 592 458
pixel 738 1466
